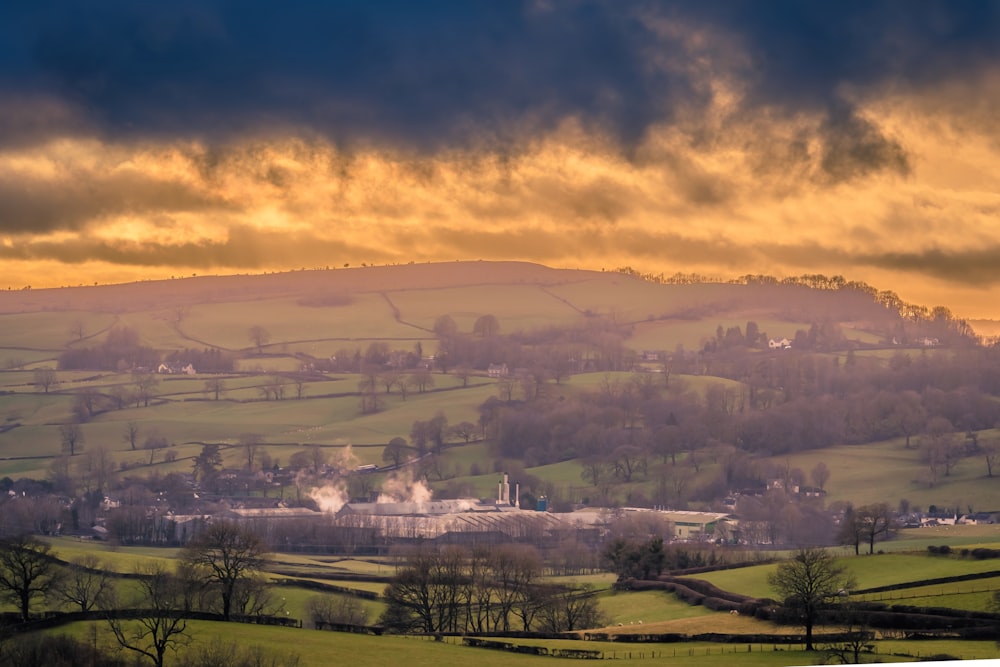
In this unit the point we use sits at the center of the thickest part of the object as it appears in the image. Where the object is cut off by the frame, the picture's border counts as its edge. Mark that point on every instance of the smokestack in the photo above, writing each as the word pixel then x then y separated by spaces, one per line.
pixel 517 495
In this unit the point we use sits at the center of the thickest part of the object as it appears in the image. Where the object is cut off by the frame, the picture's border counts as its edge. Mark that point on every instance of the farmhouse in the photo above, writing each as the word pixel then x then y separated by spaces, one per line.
pixel 498 371
pixel 691 525
pixel 176 368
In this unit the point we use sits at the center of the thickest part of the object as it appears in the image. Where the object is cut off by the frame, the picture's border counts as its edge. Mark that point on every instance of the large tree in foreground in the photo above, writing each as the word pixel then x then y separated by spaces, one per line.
pixel 226 555
pixel 161 625
pixel 26 571
pixel 808 582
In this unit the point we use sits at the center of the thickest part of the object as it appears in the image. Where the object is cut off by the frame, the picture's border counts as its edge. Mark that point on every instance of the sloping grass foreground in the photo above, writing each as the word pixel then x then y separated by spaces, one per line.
pixel 320 648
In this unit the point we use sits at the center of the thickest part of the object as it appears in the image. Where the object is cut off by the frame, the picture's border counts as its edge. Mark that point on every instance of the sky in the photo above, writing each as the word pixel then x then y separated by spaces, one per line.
pixel 144 140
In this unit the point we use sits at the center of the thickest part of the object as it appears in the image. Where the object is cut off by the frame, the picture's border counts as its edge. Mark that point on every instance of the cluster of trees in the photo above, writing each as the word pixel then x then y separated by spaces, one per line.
pixel 482 589
pixel 786 402
pixel 120 351
pixel 208 360
pixel 919 320
pixel 867 524
pixel 377 382
pixel 218 572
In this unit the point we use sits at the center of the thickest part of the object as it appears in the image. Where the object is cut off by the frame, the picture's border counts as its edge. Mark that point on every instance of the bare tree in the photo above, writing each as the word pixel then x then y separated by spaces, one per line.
pixel 327 610
pixel 371 401
pixel 225 554
pixel 131 434
pixel 820 475
pixel 45 378
pixel 877 522
pixel 259 336
pixel 26 571
pixel 77 329
pixel 421 379
pixel 486 326
pixel 72 438
pixel 216 387
pixel 100 463
pixel 85 584
pixel 162 625
pixel 154 443
pixel 809 581
pixel 250 443
pixel 991 454
pixel 145 385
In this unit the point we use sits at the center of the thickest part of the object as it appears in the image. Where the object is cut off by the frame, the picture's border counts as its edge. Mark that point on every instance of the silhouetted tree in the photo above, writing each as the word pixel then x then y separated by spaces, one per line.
pixel 225 554
pixel 162 625
pixel 27 570
pixel 809 582
pixel 72 438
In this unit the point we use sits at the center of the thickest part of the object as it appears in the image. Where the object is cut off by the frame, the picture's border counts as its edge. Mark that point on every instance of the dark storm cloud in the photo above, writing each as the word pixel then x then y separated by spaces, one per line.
pixel 423 72
pixel 245 248
pixel 969 267
pixel 435 73
pixel 39 206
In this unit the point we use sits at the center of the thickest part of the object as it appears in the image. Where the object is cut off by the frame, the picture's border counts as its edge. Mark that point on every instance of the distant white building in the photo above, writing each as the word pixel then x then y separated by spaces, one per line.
pixel 176 368
pixel 498 371
pixel 782 344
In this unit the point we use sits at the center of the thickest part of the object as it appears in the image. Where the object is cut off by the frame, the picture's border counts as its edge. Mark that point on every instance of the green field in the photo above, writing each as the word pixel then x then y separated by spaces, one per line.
pixel 888 472
pixel 627 612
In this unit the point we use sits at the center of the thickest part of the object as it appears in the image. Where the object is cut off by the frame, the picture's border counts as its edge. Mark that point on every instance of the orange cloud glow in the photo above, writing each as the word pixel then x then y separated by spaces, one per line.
pixel 718 193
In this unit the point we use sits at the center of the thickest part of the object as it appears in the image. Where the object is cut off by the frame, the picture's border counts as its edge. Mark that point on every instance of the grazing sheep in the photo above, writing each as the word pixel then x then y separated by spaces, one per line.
pixel 734 612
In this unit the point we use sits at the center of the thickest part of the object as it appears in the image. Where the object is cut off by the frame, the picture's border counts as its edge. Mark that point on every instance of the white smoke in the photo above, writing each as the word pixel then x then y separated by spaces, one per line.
pixel 402 488
pixel 343 459
pixel 330 498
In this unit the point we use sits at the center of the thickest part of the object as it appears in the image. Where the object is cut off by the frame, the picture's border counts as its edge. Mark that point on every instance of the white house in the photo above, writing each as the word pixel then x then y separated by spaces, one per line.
pixel 497 371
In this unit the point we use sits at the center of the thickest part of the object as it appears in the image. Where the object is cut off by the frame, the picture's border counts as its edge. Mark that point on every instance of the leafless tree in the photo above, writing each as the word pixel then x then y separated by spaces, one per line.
pixel 421 379
pixel 145 386
pixel 77 329
pixel 371 401
pixel 72 438
pixel 395 451
pixel 259 336
pixel 162 625
pixel 991 454
pixel 215 386
pixel 327 610
pixel 250 444
pixel 45 378
pixel 26 571
pixel 85 584
pixel 486 326
pixel 225 554
pixel 820 474
pixel 808 582
pixel 154 443
pixel 131 434
pixel 95 469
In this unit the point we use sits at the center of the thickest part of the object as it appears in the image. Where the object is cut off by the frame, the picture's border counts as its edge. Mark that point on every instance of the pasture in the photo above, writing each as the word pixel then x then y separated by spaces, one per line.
pixel 627 613
pixel 888 472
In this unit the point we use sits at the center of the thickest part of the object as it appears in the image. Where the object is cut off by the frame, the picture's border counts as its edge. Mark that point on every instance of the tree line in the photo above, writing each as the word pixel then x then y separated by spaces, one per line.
pixel 218 572
pixel 482 589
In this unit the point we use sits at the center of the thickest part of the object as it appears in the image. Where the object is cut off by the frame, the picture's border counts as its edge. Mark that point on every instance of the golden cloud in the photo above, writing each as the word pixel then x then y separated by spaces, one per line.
pixel 904 195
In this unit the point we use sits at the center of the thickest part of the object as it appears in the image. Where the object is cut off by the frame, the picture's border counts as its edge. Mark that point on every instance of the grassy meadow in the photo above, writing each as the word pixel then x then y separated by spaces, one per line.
pixel 645 612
